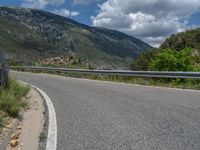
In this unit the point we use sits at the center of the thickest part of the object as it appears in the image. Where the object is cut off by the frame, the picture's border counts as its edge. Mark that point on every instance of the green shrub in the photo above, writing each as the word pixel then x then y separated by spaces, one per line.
pixel 170 60
pixel 42 137
pixel 11 97
pixel 3 118
pixel 143 60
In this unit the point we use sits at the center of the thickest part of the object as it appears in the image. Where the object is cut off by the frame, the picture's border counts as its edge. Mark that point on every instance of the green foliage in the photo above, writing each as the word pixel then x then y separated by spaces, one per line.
pixel 11 97
pixel 190 38
pixel 180 52
pixel 170 60
pixel 42 137
pixel 3 118
pixel 143 60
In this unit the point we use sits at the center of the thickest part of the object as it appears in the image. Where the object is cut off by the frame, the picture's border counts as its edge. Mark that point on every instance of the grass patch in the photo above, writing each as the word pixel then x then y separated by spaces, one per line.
pixel 11 101
pixel 3 118
pixel 42 137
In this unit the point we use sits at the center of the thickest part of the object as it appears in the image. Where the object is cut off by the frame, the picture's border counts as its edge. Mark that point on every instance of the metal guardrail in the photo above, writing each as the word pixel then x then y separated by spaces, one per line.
pixel 154 74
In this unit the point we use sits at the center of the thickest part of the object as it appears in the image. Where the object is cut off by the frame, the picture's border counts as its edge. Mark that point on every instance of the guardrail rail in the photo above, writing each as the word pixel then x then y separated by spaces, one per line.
pixel 153 74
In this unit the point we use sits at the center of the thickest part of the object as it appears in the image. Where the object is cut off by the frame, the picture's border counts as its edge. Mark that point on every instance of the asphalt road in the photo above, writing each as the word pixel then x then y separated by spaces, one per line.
pixel 95 115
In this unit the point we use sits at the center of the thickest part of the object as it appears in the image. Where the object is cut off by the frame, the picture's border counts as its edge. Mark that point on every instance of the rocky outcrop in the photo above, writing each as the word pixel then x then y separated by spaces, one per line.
pixel 65 60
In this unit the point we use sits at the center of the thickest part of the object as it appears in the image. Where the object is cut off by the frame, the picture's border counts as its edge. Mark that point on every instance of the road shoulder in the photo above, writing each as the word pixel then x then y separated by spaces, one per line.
pixel 31 126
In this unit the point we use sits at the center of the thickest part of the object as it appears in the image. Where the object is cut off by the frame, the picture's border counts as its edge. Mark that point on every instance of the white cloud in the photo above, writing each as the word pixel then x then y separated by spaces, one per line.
pixel 40 4
pixel 151 20
pixel 84 2
pixel 74 13
pixel 65 12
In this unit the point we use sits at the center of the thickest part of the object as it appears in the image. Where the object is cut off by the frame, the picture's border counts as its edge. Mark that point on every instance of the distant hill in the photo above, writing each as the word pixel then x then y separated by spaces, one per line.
pixel 28 36
pixel 187 39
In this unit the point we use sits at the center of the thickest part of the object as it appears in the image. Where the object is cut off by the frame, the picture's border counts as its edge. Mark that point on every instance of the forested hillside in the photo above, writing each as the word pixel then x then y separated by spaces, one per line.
pixel 187 39
pixel 180 52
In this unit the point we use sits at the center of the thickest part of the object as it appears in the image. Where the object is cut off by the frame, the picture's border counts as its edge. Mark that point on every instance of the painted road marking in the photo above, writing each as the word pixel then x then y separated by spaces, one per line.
pixel 52 130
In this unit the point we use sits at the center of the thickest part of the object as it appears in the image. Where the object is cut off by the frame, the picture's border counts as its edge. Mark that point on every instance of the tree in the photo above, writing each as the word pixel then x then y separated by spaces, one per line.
pixel 143 60
pixel 171 60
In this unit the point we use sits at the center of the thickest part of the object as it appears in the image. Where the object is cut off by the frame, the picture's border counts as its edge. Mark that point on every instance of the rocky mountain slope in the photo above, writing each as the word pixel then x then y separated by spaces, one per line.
pixel 28 36
pixel 187 39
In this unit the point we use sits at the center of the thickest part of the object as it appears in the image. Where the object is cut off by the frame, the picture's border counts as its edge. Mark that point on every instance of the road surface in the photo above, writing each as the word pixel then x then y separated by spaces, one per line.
pixel 95 115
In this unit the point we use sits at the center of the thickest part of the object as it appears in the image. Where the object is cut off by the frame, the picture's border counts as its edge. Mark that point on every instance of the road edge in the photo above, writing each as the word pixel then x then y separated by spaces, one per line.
pixel 51 143
pixel 122 83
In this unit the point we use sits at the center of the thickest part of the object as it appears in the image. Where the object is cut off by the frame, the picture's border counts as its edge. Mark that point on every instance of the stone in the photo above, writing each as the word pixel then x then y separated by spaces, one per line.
pixel 14 136
pixel 9 126
pixel 13 143
pixel 19 127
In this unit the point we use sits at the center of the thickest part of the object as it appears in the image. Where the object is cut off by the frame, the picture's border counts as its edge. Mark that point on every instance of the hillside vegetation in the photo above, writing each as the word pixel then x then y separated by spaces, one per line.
pixel 180 52
pixel 28 36
pixel 187 39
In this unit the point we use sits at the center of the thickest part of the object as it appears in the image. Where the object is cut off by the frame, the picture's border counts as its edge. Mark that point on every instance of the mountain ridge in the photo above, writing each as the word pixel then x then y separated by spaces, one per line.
pixel 43 34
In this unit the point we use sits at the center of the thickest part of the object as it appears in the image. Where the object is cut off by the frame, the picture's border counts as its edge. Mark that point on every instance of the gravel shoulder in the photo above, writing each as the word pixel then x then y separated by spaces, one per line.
pixel 31 126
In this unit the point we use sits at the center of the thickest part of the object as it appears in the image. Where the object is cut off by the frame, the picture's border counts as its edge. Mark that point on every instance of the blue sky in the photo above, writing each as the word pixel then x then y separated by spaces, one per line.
pixel 150 20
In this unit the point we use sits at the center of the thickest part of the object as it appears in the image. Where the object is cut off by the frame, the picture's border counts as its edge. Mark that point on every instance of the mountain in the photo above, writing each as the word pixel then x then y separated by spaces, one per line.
pixel 187 39
pixel 28 36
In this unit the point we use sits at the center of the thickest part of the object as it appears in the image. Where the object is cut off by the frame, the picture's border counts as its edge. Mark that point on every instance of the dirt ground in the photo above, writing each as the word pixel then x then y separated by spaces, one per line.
pixel 30 128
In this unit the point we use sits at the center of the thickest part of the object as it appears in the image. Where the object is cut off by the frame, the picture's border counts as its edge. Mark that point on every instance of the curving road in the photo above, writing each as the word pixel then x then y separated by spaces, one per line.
pixel 95 115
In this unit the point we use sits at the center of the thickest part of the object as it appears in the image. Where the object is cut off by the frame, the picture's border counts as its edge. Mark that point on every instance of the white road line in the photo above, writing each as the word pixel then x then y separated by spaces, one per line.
pixel 52 131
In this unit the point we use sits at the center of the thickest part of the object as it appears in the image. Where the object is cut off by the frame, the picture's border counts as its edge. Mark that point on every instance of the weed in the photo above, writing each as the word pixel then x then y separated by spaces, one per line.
pixel 42 137
pixel 11 97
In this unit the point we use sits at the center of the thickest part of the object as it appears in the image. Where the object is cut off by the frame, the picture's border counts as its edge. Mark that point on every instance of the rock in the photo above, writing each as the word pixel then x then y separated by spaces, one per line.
pixel 14 136
pixel 13 143
pixel 9 126
pixel 19 127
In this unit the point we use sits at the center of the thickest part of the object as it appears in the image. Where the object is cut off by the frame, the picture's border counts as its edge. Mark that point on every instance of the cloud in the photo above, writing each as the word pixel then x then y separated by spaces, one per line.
pixel 150 20
pixel 40 4
pixel 74 13
pixel 65 12
pixel 85 2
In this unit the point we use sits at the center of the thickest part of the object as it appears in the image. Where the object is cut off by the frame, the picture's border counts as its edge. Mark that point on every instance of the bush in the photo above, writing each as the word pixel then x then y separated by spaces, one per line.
pixel 3 118
pixel 170 60
pixel 143 60
pixel 11 97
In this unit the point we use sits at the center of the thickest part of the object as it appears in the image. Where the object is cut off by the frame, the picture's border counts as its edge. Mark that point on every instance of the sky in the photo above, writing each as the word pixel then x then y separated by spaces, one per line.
pixel 150 20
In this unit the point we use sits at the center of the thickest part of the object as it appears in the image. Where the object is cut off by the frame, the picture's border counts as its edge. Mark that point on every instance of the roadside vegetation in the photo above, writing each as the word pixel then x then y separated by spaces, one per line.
pixel 42 137
pixel 180 52
pixel 187 59
pixel 11 100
